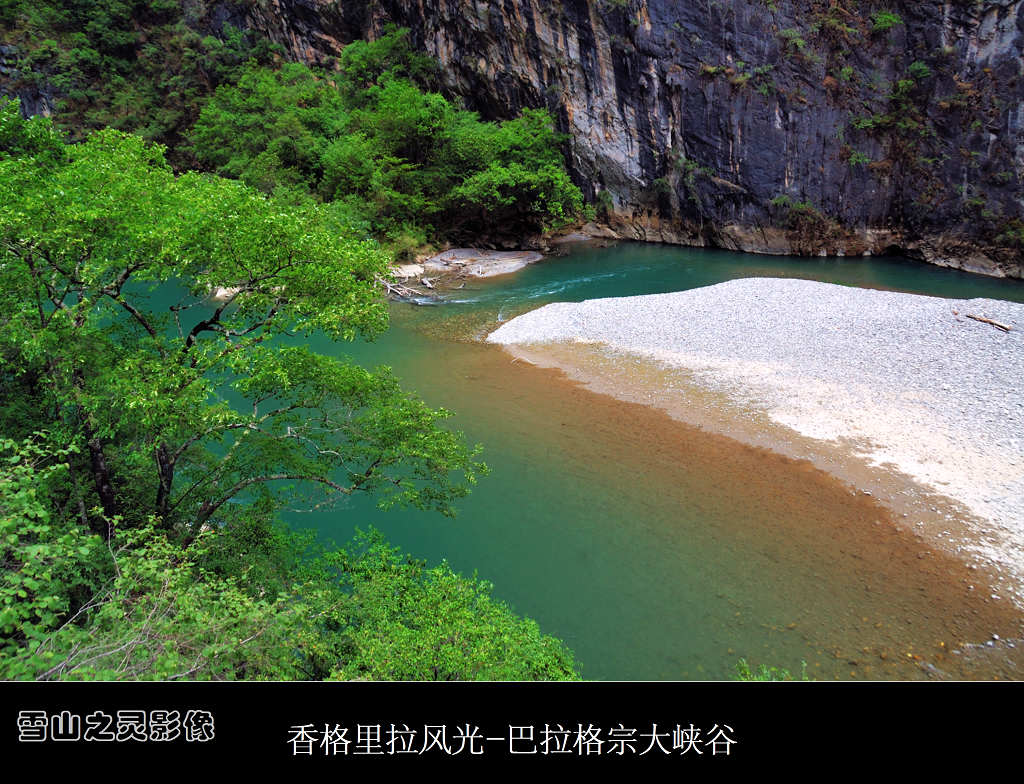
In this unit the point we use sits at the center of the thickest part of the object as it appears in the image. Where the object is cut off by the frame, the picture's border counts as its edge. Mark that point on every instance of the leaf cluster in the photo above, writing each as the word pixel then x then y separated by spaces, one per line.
pixel 764 672
pixel 189 402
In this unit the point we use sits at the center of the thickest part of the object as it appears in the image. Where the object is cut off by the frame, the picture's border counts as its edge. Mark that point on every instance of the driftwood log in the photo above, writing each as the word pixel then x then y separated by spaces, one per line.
pixel 400 289
pixel 983 320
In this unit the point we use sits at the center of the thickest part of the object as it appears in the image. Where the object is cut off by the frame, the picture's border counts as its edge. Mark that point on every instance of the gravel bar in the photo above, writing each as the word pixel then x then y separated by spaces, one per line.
pixel 910 380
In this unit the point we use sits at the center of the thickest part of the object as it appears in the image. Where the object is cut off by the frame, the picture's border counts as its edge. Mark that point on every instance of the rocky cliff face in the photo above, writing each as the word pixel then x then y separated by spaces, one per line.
pixel 775 126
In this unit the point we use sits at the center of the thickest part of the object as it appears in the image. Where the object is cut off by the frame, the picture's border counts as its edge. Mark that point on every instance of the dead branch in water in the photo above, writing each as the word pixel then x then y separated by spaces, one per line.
pixel 983 320
pixel 400 289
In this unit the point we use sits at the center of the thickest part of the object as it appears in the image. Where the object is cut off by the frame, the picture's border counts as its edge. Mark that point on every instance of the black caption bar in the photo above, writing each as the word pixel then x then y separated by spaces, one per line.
pixel 684 726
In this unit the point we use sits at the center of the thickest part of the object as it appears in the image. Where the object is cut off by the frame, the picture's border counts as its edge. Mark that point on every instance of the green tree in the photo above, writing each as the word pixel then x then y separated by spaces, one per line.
pixel 49 565
pixel 180 405
pixel 137 65
pixel 229 606
pixel 288 112
pixel 138 534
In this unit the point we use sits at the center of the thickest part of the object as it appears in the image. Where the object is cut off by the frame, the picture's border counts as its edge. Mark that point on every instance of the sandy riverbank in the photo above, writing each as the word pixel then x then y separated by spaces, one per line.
pixel 471 262
pixel 907 386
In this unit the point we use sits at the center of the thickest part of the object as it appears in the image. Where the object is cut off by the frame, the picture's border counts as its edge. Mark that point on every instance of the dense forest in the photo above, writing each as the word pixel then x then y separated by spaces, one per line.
pixel 152 435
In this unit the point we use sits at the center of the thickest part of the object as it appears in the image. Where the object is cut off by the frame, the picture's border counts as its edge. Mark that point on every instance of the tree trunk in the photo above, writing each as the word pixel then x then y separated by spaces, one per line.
pixel 103 482
pixel 165 471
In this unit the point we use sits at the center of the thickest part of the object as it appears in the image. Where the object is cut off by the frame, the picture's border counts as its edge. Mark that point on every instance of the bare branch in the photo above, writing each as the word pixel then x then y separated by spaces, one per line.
pixel 209 508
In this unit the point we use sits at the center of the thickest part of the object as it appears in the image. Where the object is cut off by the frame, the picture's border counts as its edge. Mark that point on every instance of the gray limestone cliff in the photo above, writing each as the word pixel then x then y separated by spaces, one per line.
pixel 774 126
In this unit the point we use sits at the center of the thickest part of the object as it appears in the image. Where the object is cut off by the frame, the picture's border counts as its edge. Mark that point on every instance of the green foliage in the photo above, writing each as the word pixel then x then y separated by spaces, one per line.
pixel 832 23
pixel 522 179
pixel 857 158
pixel 271 127
pixel 365 63
pixel 691 171
pixel 139 535
pixel 794 42
pixel 803 218
pixel 400 157
pixel 161 617
pixel 661 186
pixel 408 622
pixel 883 21
pixel 868 123
pixel 159 611
pixel 905 117
pixel 47 563
pixel 901 89
pixel 9 10
pixel 765 673
pixel 135 65
pixel 37 137
pixel 919 70
pixel 84 247
pixel 740 76
pixel 1012 233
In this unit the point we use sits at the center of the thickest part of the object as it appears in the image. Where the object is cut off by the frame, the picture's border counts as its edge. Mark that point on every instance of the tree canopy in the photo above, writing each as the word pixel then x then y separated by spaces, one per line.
pixel 159 408
pixel 182 402
pixel 136 65
pixel 248 602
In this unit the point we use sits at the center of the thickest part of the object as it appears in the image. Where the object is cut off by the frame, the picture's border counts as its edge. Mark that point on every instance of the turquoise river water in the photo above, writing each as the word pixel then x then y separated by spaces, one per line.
pixel 656 550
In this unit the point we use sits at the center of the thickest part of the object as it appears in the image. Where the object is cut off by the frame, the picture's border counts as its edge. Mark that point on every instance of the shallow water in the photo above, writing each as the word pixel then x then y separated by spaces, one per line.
pixel 658 550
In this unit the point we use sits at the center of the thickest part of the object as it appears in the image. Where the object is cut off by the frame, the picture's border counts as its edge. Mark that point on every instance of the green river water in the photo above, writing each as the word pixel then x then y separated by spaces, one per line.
pixel 655 550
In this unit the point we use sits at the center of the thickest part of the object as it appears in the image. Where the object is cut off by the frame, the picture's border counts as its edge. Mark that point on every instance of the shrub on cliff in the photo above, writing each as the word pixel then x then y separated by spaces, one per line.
pixel 372 137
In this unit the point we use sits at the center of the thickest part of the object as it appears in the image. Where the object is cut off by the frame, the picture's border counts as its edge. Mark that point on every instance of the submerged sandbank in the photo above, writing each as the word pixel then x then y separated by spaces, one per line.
pixel 906 383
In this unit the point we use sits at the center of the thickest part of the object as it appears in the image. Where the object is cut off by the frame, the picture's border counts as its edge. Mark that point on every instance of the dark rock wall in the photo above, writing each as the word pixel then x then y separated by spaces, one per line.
pixel 34 99
pixel 764 125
